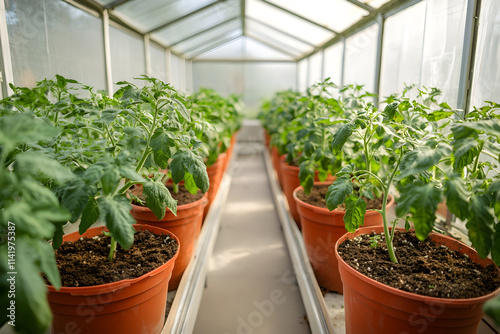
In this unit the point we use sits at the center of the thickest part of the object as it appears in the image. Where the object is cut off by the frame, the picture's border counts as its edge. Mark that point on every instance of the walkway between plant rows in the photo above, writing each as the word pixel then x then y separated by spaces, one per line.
pixel 250 285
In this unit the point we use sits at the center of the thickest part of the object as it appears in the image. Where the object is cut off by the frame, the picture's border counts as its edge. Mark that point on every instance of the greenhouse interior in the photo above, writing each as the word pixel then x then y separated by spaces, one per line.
pixel 250 166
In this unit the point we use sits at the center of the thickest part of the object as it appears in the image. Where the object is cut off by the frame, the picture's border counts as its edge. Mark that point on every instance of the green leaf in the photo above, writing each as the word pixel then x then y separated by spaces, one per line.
pixel 392 111
pixel 181 109
pixel 20 129
pixel 355 213
pixel 110 180
pixel 495 251
pixel 419 160
pixel 48 262
pixel 464 151
pixel 457 196
pixel 25 217
pixel 337 192
pixel 115 211
pixel 90 214
pixel 189 183
pixel 74 196
pixel 94 173
pixel 195 166
pixel 438 115
pixel 131 174
pixel 158 198
pixel 480 224
pixel 421 200
pixel 492 308
pixel 41 165
pixel 341 136
pixel 161 143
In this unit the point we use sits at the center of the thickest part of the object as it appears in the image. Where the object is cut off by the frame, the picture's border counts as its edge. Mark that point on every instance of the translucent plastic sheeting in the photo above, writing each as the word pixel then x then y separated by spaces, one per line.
pixel 158 62
pixel 215 34
pixel 486 84
pixel 198 22
pixel 443 44
pixel 277 38
pixel 375 3
pixel 215 45
pixel 402 50
pixel 333 63
pixel 315 68
pixel 105 2
pixel 49 37
pixel 244 48
pixel 286 22
pixel 334 14
pixel 150 14
pixel 360 58
pixel 175 74
pixel 254 81
pixel 302 68
pixel 127 56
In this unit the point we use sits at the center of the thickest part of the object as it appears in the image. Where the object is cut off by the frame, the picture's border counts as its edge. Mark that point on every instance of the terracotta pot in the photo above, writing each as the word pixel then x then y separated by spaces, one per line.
pixel 215 173
pixel 372 307
pixel 321 228
pixel 186 226
pixel 128 306
pixel 229 152
pixel 267 139
pixel 275 159
pixel 291 181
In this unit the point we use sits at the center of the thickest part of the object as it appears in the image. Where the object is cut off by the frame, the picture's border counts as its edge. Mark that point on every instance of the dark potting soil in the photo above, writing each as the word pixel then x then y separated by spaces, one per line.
pixel 182 197
pixel 85 261
pixel 423 267
pixel 318 194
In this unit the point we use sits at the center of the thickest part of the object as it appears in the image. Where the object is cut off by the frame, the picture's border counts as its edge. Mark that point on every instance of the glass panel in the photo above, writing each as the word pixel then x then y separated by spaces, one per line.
pixel 333 63
pixel 280 40
pixel 158 64
pixel 175 71
pixel 443 44
pixel 402 50
pixel 286 22
pixel 334 14
pixel 198 22
pixel 315 64
pixel 253 81
pixel 244 48
pixel 49 37
pixel 486 85
pixel 148 14
pixel 127 56
pixel 209 36
pixel 302 74
pixel 360 58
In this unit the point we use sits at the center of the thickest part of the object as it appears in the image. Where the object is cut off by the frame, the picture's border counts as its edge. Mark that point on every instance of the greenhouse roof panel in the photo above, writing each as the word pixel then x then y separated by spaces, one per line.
pixel 334 14
pixel 198 22
pixel 149 14
pixel 244 48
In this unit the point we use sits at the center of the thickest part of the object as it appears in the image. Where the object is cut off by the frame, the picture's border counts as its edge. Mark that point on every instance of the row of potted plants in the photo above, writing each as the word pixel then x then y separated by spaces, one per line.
pixel 71 154
pixel 417 152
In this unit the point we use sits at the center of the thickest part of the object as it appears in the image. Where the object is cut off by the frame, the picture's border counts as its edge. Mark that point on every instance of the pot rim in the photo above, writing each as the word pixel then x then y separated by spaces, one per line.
pixel 334 211
pixel 405 294
pixel 110 287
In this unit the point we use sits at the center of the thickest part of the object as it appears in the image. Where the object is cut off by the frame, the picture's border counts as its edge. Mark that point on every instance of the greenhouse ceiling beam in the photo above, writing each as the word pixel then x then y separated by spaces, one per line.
pixel 204 31
pixel 388 9
pixel 243 14
pixel 280 31
pixel 222 60
pixel 204 50
pixel 210 41
pixel 167 24
pixel 299 16
pixel 362 5
pixel 272 46
pixel 115 4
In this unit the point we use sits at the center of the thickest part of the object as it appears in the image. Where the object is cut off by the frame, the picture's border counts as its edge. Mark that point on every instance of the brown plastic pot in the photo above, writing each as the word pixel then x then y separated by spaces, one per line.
pixel 372 307
pixel 229 152
pixel 215 173
pixel 290 175
pixel 321 228
pixel 129 306
pixel 186 226
pixel 275 159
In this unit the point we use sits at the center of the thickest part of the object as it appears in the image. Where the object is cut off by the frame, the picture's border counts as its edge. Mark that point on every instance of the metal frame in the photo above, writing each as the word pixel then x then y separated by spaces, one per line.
pixel 213 47
pixel 115 4
pixel 212 40
pixel 107 52
pixel 147 55
pixel 362 5
pixel 7 75
pixel 378 64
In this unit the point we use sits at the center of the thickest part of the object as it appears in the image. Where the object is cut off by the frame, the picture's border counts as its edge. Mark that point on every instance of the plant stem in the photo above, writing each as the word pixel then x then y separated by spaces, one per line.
pixel 388 236
pixel 176 188
pixel 112 249
pixel 476 162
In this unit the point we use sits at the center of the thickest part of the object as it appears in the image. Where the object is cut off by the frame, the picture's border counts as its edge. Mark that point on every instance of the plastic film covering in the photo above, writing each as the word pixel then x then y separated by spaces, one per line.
pixel 315 68
pixel 210 36
pixel 302 74
pixel 158 63
pixel 333 63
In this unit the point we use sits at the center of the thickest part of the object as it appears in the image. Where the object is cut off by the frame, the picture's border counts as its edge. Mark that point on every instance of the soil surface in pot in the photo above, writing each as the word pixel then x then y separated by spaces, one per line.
pixel 318 194
pixel 423 267
pixel 85 261
pixel 182 197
